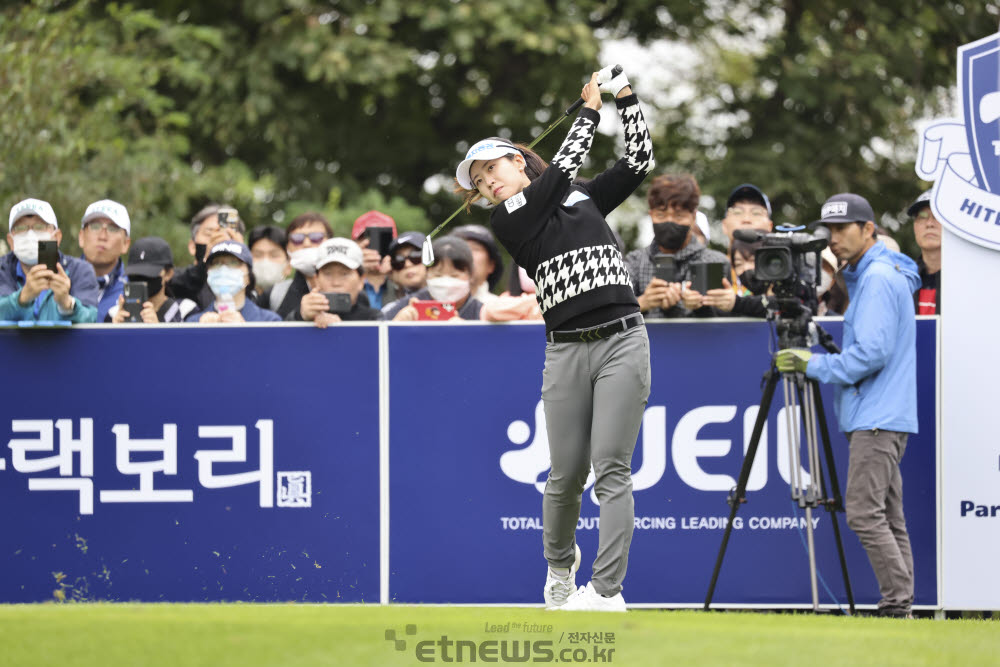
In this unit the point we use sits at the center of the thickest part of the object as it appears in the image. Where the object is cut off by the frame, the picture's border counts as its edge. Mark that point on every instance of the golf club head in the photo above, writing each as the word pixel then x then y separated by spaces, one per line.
pixel 427 252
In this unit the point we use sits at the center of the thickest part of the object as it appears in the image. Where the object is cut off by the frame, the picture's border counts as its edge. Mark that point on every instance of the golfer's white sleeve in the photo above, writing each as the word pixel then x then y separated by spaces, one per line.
pixel 577 144
pixel 638 143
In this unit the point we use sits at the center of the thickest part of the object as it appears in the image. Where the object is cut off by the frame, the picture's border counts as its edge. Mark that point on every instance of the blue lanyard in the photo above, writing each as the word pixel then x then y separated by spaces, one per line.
pixel 38 301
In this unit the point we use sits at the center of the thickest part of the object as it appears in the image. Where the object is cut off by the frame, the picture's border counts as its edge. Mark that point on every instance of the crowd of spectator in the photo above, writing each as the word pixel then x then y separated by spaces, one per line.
pixel 304 273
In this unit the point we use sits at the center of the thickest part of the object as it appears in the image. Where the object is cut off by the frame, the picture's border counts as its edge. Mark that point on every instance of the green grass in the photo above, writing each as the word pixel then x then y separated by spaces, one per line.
pixel 300 635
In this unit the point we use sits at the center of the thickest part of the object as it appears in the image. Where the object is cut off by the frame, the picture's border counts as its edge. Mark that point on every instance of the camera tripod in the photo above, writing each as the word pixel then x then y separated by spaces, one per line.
pixel 802 393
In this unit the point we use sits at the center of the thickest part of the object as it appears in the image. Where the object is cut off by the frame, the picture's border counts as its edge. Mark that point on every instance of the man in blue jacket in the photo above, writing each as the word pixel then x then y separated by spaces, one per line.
pixel 105 233
pixel 31 291
pixel 875 388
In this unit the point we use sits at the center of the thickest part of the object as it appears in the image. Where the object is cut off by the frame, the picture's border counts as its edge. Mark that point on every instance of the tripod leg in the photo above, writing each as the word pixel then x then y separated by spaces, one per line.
pixel 741 485
pixel 838 500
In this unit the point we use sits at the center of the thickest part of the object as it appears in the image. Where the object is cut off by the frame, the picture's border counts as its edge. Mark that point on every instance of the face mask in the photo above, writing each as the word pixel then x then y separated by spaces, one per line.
pixel 26 246
pixel 670 235
pixel 448 289
pixel 225 281
pixel 268 272
pixel 825 281
pixel 304 261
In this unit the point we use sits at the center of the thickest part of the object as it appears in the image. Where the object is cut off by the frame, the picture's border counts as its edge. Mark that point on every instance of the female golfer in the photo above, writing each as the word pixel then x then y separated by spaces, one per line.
pixel 596 379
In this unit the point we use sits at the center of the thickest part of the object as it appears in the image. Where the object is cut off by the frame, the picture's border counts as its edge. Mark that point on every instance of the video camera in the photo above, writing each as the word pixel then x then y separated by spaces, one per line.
pixel 788 259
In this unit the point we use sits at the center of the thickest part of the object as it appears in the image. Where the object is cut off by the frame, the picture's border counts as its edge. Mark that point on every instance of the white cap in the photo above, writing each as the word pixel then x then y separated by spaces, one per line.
pixel 111 210
pixel 701 220
pixel 340 250
pixel 42 209
pixel 487 149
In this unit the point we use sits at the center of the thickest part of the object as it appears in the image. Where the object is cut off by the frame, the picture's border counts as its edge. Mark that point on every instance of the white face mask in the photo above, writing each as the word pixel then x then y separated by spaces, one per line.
pixel 825 281
pixel 448 289
pixel 225 281
pixel 26 246
pixel 304 260
pixel 268 272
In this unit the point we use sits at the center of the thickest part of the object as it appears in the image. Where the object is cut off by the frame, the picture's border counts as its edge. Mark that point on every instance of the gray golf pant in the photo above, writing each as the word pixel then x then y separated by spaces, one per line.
pixel 874 504
pixel 595 394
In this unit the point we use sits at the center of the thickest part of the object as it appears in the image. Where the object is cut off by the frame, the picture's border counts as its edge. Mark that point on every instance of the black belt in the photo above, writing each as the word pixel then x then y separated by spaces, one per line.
pixel 595 333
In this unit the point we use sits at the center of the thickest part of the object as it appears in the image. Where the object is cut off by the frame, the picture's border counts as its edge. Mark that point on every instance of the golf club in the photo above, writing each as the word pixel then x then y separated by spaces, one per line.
pixel 427 252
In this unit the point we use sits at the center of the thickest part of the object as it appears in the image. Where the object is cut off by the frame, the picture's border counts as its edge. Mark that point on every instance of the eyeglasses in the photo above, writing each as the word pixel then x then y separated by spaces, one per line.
pixel 298 238
pixel 96 226
pixel 35 227
pixel 399 261
pixel 753 212
pixel 671 215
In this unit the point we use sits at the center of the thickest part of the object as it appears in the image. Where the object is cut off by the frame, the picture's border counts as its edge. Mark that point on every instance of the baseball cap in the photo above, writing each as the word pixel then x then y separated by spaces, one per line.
pixel 111 210
pixel 340 250
pixel 923 200
pixel 483 236
pixel 148 256
pixel 42 209
pixel 372 219
pixel 749 191
pixel 234 248
pixel 487 149
pixel 415 239
pixel 845 207
pixel 701 220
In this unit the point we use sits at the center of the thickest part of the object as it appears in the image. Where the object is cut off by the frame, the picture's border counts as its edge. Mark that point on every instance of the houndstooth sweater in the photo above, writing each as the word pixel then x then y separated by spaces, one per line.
pixel 555 228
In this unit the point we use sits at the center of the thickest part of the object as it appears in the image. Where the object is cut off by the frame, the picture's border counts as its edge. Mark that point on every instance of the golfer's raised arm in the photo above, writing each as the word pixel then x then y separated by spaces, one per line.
pixel 610 188
pixel 570 156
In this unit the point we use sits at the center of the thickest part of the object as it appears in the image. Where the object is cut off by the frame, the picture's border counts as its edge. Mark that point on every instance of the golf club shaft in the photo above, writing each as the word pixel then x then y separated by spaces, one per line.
pixel 569 112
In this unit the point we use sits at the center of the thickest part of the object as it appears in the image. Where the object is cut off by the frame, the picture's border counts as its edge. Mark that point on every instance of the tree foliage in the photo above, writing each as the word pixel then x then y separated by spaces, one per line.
pixel 828 102
pixel 279 106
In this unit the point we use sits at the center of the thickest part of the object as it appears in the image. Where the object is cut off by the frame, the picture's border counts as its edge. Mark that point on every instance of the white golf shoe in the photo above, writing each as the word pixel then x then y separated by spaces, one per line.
pixel 588 599
pixel 557 587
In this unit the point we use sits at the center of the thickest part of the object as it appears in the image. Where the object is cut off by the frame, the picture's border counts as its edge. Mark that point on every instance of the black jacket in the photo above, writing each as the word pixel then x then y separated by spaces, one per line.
pixel 555 228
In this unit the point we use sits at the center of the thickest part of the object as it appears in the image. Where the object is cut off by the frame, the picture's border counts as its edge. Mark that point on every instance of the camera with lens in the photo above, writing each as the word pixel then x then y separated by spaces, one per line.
pixel 787 260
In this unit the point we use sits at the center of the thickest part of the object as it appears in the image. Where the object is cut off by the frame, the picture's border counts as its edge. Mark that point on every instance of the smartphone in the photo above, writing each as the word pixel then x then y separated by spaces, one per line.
pixel 379 239
pixel 706 276
pixel 665 268
pixel 228 217
pixel 434 311
pixel 48 254
pixel 339 303
pixel 136 294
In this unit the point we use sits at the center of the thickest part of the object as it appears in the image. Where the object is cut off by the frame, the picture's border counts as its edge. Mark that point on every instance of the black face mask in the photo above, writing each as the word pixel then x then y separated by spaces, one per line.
pixel 748 280
pixel 670 235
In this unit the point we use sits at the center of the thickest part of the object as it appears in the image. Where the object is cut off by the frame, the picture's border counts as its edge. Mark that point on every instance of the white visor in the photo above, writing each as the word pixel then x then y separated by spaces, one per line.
pixel 487 149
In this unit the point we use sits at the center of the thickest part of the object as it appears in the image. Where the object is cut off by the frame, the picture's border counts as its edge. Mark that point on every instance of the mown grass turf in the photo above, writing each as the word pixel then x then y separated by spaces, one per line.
pixel 300 635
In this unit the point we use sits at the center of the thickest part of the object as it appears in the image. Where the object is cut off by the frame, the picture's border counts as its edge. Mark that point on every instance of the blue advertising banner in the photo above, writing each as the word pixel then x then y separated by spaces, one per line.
pixel 190 464
pixel 469 457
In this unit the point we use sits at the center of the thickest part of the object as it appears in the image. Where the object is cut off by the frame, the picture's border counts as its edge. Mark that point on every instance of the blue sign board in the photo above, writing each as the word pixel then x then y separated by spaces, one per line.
pixel 242 463
pixel 469 459
pixel 190 465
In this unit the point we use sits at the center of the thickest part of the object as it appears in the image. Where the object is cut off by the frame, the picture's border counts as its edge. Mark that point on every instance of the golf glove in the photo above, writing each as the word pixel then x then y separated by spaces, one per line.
pixel 609 83
pixel 792 360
